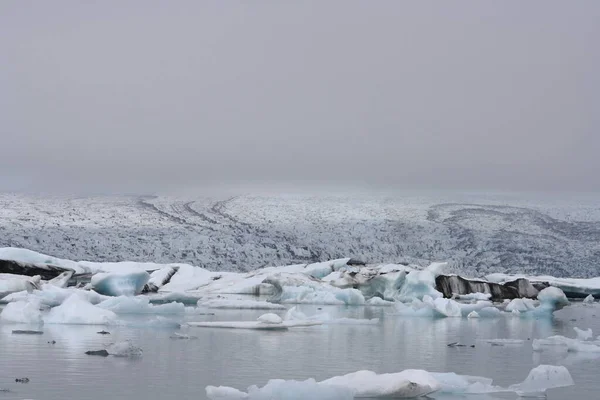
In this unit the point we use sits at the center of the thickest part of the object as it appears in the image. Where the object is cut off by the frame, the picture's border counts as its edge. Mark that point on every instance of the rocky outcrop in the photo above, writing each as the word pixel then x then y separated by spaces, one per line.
pixel 46 272
pixel 450 285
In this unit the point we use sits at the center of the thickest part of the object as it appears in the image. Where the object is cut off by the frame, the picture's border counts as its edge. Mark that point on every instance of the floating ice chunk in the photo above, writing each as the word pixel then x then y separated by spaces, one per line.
pixel 187 298
pixel 139 305
pixel 473 314
pixel 583 334
pixel 77 310
pixel 127 283
pixel 507 342
pixel 25 312
pixel 239 325
pixel 542 378
pixel 240 304
pixel 490 312
pixel 553 296
pixel 308 295
pixel 124 349
pixel 473 296
pixel 294 315
pixel 270 318
pixel 589 299
pixel 520 305
pixel 378 301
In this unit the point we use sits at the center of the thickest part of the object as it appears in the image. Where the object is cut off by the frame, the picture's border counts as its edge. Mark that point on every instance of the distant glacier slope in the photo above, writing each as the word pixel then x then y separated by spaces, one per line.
pixel 476 233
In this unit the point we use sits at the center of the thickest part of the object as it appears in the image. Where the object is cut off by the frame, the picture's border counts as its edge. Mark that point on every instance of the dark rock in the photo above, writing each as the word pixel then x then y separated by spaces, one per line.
pixel 22 380
pixel 47 272
pixel 26 332
pixel 52 342
pixel 103 333
pixel 101 353
pixel 449 285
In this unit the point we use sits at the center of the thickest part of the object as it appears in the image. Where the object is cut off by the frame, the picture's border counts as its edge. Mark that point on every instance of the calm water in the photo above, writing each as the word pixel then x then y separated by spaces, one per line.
pixel 181 369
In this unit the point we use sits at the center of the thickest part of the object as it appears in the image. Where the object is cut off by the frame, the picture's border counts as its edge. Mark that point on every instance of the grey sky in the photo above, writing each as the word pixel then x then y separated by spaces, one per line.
pixel 157 94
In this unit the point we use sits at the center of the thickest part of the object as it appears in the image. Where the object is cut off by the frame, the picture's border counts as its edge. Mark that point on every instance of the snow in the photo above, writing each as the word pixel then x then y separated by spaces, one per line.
pixel 122 283
pixel 139 305
pixel 77 310
pixel 270 318
pixel 24 312
pixel 240 304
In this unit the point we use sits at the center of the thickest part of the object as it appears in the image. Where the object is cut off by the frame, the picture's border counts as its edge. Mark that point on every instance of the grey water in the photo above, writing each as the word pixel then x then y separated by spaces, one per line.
pixel 182 368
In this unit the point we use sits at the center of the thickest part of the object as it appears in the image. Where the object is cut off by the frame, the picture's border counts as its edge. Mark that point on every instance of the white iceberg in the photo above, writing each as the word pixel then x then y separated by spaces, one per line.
pixel 24 312
pixel 473 314
pixel 240 304
pixel 52 296
pixel 77 310
pixel 140 305
pixel 378 301
pixel 295 315
pixel 270 318
pixel 125 283
pixel 268 321
pixel 10 283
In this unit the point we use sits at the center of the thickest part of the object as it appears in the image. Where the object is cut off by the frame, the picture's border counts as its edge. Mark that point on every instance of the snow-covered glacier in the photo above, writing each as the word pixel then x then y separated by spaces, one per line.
pixel 476 233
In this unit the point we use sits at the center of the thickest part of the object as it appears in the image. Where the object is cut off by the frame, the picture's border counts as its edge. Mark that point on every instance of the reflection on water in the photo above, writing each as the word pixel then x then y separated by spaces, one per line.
pixel 179 368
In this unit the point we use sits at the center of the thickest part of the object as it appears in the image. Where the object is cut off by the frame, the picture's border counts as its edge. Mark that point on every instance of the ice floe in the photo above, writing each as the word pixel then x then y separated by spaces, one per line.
pixel 140 305
pixel 25 312
pixel 405 384
pixel 122 283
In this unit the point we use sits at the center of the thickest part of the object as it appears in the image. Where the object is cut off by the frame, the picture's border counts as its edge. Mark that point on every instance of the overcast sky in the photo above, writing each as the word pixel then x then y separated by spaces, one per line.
pixel 152 95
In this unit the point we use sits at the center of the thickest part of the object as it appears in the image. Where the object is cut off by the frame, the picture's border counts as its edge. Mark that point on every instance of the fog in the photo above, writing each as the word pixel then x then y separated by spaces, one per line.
pixel 132 96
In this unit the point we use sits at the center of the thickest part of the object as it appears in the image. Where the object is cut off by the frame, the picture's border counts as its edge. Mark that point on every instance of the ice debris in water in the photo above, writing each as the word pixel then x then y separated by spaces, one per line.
pixel 294 314
pixel 120 283
pixel 520 305
pixel 472 296
pixel 405 384
pixel 24 312
pixel 77 310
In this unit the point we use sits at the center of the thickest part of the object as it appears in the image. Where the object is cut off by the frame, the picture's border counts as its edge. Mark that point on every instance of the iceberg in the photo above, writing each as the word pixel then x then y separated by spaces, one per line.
pixel 24 312
pixel 139 305
pixel 124 349
pixel 240 304
pixel 583 334
pixel 473 314
pixel 378 301
pixel 78 310
pixel 125 283
pixel 17 283
pixel 473 296
pixel 294 314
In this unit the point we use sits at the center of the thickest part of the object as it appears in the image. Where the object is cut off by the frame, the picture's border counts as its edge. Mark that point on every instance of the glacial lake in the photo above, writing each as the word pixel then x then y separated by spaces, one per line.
pixel 182 368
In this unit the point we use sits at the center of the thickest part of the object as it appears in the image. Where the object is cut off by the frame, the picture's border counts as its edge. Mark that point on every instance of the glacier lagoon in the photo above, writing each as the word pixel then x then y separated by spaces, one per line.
pixel 182 362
